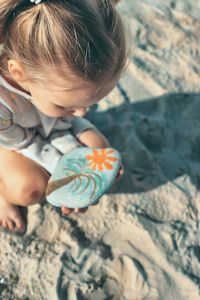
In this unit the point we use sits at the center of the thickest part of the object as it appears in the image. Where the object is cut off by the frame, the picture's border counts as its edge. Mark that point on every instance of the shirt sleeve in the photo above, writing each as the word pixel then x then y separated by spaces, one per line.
pixel 79 125
pixel 13 136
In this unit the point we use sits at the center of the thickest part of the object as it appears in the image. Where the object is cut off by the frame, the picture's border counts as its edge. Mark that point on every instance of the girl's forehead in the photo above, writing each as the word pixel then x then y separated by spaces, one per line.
pixel 75 86
pixel 70 79
pixel 69 82
pixel 65 83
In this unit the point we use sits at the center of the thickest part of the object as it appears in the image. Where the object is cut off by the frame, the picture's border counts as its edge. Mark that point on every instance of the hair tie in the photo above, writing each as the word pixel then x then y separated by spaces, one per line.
pixel 36 1
pixel 21 6
pixel 24 4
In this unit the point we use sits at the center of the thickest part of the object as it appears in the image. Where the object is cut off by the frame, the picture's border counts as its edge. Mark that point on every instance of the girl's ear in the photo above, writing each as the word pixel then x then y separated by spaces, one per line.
pixel 16 70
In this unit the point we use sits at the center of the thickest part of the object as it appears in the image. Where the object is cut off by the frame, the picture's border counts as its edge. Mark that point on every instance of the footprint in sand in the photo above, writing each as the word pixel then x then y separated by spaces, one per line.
pixel 82 273
pixel 127 279
pixel 93 275
pixel 151 132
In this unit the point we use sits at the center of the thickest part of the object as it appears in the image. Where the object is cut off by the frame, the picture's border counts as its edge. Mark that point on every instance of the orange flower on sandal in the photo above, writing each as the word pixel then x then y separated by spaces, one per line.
pixel 100 159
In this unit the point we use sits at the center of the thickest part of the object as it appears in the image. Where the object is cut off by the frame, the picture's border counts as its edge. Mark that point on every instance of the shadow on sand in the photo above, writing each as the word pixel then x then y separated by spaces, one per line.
pixel 159 139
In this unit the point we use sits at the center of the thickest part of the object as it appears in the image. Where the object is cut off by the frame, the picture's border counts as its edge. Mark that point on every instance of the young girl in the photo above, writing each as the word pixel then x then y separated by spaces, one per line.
pixel 59 57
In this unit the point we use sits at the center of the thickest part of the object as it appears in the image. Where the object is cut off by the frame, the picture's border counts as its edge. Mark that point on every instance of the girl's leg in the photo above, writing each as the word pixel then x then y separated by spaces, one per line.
pixel 22 182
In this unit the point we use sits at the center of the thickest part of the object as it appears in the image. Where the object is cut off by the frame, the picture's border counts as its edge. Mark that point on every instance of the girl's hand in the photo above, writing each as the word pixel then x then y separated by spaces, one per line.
pixel 93 138
pixel 67 211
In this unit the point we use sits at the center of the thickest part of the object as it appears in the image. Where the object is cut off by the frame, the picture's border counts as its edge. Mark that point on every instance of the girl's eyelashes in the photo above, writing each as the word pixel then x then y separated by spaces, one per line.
pixel 67 110
pixel 58 106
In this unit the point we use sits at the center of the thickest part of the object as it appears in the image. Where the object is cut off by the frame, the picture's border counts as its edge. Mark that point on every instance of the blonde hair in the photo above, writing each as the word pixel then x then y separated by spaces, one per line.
pixel 82 36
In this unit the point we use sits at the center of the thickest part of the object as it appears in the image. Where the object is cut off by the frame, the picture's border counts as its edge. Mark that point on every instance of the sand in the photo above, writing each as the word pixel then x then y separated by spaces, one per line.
pixel 142 242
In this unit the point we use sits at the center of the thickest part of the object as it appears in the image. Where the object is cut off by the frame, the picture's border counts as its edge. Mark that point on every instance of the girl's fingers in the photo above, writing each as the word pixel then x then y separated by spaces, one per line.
pixel 80 210
pixel 83 210
pixel 66 210
pixel 10 225
pixel 120 173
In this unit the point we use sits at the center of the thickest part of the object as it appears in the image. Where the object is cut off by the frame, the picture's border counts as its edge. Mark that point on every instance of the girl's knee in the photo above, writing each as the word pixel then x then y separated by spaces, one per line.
pixel 31 189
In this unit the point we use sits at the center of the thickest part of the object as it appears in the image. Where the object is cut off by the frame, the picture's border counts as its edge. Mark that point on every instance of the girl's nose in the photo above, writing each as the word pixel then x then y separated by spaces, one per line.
pixel 80 112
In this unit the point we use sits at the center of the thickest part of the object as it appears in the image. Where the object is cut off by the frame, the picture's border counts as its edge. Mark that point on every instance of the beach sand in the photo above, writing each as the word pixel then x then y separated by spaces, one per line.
pixel 142 242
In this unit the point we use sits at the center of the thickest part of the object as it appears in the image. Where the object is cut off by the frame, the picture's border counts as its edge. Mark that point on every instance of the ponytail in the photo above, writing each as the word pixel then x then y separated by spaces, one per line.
pixel 85 37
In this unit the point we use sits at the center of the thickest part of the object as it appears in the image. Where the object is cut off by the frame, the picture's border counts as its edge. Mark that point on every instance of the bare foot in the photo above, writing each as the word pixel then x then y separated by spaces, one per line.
pixel 10 216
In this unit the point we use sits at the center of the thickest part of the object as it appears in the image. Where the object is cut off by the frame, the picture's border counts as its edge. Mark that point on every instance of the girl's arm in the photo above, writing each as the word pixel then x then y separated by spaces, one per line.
pixel 93 138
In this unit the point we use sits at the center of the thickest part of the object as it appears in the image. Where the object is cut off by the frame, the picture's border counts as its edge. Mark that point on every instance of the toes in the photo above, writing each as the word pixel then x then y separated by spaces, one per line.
pixel 10 225
pixel 11 219
pixel 19 224
pixel 7 224
pixel 4 224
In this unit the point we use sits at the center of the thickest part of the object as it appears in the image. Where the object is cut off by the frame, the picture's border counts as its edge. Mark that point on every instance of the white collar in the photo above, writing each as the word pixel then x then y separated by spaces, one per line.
pixel 13 89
